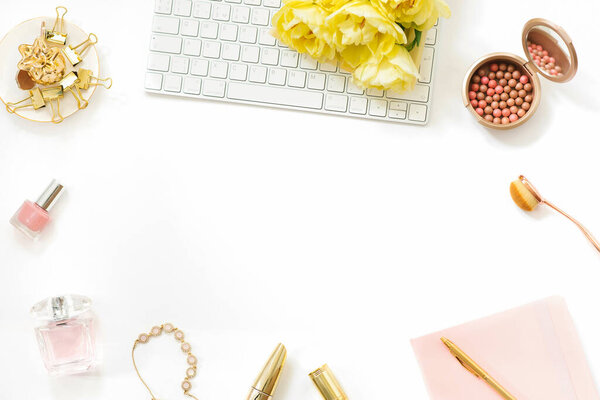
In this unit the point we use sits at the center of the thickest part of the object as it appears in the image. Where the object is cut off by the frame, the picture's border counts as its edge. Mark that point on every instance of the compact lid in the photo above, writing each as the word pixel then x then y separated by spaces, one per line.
pixel 554 40
pixel 60 308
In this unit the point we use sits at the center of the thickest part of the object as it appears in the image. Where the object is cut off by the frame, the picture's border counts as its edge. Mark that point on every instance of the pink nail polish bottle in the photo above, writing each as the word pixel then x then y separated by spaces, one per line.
pixel 65 334
pixel 32 218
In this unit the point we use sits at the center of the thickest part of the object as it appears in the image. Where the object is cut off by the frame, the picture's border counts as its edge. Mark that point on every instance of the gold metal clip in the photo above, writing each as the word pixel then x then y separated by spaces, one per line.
pixel 70 83
pixel 74 54
pixel 86 79
pixel 38 99
pixel 53 95
pixel 58 35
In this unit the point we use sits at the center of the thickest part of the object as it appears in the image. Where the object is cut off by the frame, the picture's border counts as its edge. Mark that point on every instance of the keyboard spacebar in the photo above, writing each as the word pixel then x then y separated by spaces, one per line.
pixel 274 95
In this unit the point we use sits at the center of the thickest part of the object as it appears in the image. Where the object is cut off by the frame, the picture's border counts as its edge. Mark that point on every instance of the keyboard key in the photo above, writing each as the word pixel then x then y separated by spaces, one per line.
pixel 269 56
pixel 336 83
pixel 265 38
pixel 378 108
pixel 241 14
pixel 199 67
pixel 158 62
pixel 218 69
pixel 260 16
pixel 258 74
pixel 153 81
pixel 163 6
pixel 166 44
pixel 316 81
pixel 201 9
pixel 431 37
pixel 272 3
pixel 173 83
pixel 336 102
pixel 221 12
pixel 234 1
pixel 213 88
pixel 250 54
pixel 289 58
pixel 297 79
pixel 229 32
pixel 231 51
pixel 211 49
pixel 396 114
pixel 248 34
pixel 209 30
pixel 307 62
pixel 418 112
pixel 375 92
pixel 183 8
pixel 398 106
pixel 277 76
pixel 192 85
pixel 353 89
pixel 358 105
pixel 275 95
pixel 252 2
pixel 426 67
pixel 165 25
pixel 419 93
pixel 192 47
pixel 189 27
pixel 238 72
pixel 329 67
pixel 180 65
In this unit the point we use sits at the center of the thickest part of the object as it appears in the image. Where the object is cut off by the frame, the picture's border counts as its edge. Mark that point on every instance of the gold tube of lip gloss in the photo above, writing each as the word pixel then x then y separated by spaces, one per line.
pixel 266 382
pixel 327 384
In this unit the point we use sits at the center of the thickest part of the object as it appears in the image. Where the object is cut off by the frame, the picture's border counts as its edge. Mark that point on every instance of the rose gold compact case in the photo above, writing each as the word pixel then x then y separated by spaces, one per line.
pixel 503 90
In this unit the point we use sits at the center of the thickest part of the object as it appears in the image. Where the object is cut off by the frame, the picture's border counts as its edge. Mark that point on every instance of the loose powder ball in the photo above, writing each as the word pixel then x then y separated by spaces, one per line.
pixel 501 92
pixel 543 59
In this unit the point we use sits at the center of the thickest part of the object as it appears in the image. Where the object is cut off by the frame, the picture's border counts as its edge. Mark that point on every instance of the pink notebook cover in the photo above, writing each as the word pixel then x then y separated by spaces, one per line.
pixel 533 351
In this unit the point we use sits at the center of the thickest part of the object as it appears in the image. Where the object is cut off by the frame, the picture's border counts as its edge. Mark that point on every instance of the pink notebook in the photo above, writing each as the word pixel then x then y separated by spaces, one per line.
pixel 533 351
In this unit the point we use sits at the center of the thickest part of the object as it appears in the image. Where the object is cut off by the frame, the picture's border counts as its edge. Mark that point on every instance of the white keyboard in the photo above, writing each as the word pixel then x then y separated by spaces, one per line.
pixel 222 50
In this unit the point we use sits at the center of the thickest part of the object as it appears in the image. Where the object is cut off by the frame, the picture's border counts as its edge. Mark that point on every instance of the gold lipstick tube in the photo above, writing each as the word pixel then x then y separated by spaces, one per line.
pixel 327 384
pixel 266 382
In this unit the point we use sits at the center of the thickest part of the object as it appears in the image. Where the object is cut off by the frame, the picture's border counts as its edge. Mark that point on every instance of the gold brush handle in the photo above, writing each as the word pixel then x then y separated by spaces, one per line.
pixel 587 233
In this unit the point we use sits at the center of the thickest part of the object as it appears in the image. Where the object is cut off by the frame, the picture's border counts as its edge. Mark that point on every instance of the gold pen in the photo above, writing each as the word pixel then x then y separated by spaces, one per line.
pixel 476 370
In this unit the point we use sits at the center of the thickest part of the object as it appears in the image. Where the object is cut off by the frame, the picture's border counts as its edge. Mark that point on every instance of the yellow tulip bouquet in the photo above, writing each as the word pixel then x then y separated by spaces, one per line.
pixel 372 39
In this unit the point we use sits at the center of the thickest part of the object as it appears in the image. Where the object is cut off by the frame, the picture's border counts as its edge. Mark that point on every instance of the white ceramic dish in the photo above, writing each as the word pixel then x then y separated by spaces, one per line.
pixel 26 33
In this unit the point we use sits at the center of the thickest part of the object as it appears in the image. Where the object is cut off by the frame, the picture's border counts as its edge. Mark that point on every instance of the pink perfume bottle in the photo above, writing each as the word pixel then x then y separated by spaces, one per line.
pixel 32 218
pixel 65 334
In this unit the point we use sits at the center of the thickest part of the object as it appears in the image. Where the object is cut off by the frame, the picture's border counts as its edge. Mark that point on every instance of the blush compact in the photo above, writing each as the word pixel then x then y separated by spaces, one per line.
pixel 503 90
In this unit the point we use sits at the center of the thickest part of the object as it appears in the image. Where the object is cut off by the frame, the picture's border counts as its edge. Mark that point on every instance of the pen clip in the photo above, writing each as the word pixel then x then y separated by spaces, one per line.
pixel 467 367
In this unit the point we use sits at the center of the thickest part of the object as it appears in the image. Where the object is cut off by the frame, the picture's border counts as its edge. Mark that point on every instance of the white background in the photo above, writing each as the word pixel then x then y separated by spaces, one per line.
pixel 247 226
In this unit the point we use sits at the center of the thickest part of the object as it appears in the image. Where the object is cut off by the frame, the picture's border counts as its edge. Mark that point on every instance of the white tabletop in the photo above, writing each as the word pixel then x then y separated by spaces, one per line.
pixel 248 226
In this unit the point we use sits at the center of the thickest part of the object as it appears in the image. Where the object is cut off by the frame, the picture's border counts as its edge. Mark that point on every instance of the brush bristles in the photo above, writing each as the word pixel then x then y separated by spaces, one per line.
pixel 523 196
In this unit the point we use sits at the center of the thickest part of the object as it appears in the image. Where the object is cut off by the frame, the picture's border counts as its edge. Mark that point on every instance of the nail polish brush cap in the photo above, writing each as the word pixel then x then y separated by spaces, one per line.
pixel 327 384
pixel 50 196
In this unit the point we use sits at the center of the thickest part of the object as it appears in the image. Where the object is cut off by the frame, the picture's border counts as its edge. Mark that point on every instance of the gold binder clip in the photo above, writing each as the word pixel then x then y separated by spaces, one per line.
pixel 86 79
pixel 70 83
pixel 74 54
pixel 53 95
pixel 36 101
pixel 58 35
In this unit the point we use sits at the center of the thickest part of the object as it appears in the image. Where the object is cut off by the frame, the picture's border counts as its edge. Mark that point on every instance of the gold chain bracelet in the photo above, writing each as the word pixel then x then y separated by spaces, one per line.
pixel 185 347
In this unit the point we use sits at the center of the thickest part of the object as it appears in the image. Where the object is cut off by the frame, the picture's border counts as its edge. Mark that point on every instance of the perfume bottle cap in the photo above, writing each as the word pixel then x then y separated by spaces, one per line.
pixel 60 308
pixel 50 195
pixel 327 385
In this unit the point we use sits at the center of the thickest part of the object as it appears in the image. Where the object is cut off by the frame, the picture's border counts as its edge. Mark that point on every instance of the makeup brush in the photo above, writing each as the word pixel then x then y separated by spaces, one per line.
pixel 526 196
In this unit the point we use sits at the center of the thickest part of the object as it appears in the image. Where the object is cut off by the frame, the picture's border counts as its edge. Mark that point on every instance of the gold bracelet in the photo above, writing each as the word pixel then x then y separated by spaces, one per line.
pixel 185 347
